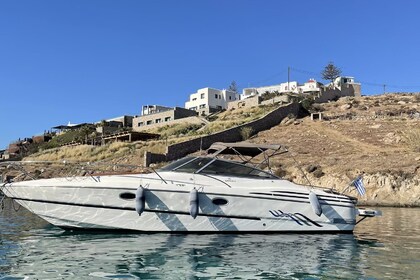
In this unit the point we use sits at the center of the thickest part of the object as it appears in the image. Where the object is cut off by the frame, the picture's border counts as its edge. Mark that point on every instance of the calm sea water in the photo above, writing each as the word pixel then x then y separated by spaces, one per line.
pixel 382 248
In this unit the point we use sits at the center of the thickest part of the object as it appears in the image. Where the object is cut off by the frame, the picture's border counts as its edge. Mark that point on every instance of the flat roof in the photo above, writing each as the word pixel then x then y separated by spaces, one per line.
pixel 71 126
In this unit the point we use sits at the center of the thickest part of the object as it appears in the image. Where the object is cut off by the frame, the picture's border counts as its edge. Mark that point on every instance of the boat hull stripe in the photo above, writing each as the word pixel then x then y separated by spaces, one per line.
pixel 134 209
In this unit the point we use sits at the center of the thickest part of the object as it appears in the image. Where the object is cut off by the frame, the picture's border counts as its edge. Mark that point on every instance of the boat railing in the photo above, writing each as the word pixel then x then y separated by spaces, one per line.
pixel 14 171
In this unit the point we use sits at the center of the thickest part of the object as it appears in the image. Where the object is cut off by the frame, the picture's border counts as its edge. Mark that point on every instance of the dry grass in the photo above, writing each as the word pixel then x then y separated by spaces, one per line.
pixel 180 129
pixel 245 114
pixel 217 126
pixel 85 152
pixel 412 139
pixel 232 118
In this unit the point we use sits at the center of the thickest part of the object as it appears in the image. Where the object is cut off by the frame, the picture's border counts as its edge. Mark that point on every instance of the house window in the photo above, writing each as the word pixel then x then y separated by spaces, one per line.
pixel 230 97
pixel 158 120
pixel 167 119
pixel 140 123
pixel 202 96
pixel 202 106
pixel 149 122
pixel 194 99
pixel 215 96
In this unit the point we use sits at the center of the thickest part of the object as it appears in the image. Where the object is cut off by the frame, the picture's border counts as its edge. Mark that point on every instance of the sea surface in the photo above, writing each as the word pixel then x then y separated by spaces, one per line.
pixel 381 248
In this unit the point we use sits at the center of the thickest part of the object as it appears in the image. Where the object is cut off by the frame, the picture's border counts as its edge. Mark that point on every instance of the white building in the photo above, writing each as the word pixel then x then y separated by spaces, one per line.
pixel 281 88
pixel 339 82
pixel 209 100
pixel 153 109
pixel 311 86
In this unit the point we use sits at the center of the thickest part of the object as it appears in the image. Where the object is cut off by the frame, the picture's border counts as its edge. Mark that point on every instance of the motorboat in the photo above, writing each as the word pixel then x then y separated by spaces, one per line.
pixel 205 193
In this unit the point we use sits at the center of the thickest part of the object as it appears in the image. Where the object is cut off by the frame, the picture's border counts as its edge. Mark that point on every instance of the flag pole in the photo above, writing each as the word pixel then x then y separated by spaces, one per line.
pixel 348 187
pixel 350 184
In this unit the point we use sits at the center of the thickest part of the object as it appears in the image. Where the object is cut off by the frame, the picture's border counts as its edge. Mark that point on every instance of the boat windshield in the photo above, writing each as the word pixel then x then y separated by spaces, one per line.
pixel 212 166
pixel 176 164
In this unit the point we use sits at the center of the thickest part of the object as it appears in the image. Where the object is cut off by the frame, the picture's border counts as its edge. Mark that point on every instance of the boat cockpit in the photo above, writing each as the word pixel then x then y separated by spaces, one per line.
pixel 216 166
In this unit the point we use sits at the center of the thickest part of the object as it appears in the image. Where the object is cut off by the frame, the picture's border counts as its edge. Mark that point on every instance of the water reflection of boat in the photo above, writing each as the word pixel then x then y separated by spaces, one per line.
pixel 194 194
pixel 175 256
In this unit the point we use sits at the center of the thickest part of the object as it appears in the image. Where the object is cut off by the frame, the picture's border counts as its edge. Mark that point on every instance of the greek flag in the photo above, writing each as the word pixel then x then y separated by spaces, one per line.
pixel 358 184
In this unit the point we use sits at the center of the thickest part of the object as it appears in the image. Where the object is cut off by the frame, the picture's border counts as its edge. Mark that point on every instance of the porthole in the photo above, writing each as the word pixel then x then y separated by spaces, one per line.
pixel 127 195
pixel 219 201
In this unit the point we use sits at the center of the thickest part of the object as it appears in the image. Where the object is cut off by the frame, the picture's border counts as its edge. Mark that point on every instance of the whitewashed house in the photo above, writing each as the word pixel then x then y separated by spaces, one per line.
pixel 311 87
pixel 342 82
pixel 281 88
pixel 209 100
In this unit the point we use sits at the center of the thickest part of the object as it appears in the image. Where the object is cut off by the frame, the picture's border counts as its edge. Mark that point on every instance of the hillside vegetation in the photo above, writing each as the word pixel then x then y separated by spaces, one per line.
pixel 215 123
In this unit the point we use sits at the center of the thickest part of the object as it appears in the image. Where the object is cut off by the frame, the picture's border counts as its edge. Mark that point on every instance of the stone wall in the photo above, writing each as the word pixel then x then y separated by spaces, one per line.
pixel 282 98
pixel 273 118
pixel 150 158
pixel 334 94
pixel 41 138
pixel 245 103
pixel 256 101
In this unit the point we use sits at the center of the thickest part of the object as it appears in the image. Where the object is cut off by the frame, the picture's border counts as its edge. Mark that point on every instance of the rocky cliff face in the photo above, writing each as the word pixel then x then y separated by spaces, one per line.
pixel 381 189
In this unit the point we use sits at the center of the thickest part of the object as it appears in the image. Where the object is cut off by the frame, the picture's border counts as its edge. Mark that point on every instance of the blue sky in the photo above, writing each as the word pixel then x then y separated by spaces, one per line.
pixel 84 61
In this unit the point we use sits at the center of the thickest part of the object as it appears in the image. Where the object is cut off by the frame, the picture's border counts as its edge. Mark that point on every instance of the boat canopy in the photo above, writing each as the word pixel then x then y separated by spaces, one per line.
pixel 242 148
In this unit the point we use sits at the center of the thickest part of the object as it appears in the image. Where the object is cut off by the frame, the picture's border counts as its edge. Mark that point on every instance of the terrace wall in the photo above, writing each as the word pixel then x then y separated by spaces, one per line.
pixel 182 149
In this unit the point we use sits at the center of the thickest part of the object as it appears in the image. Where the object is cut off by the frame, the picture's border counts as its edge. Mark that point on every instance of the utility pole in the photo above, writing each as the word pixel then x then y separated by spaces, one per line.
pixel 384 88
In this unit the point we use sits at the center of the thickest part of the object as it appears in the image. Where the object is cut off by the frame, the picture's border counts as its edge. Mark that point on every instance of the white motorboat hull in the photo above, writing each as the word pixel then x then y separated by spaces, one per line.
pixel 225 204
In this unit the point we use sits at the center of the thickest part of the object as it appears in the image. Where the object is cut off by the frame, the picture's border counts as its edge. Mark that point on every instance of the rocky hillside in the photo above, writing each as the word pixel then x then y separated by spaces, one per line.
pixel 375 136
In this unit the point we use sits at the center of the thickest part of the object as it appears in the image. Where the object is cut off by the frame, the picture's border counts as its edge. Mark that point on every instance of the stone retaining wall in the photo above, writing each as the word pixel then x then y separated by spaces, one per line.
pixel 273 118
pixel 150 158
pixel 245 103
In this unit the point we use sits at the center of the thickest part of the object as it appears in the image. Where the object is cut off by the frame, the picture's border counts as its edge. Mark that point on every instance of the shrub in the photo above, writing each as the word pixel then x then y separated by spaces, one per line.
pixel 269 95
pixel 246 132
pixel 316 170
pixel 317 107
pixel 307 104
pixel 280 172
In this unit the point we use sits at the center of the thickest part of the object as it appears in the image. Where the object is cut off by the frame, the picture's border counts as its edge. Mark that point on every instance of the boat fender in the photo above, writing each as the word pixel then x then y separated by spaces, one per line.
pixel 316 206
pixel 194 203
pixel 140 200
